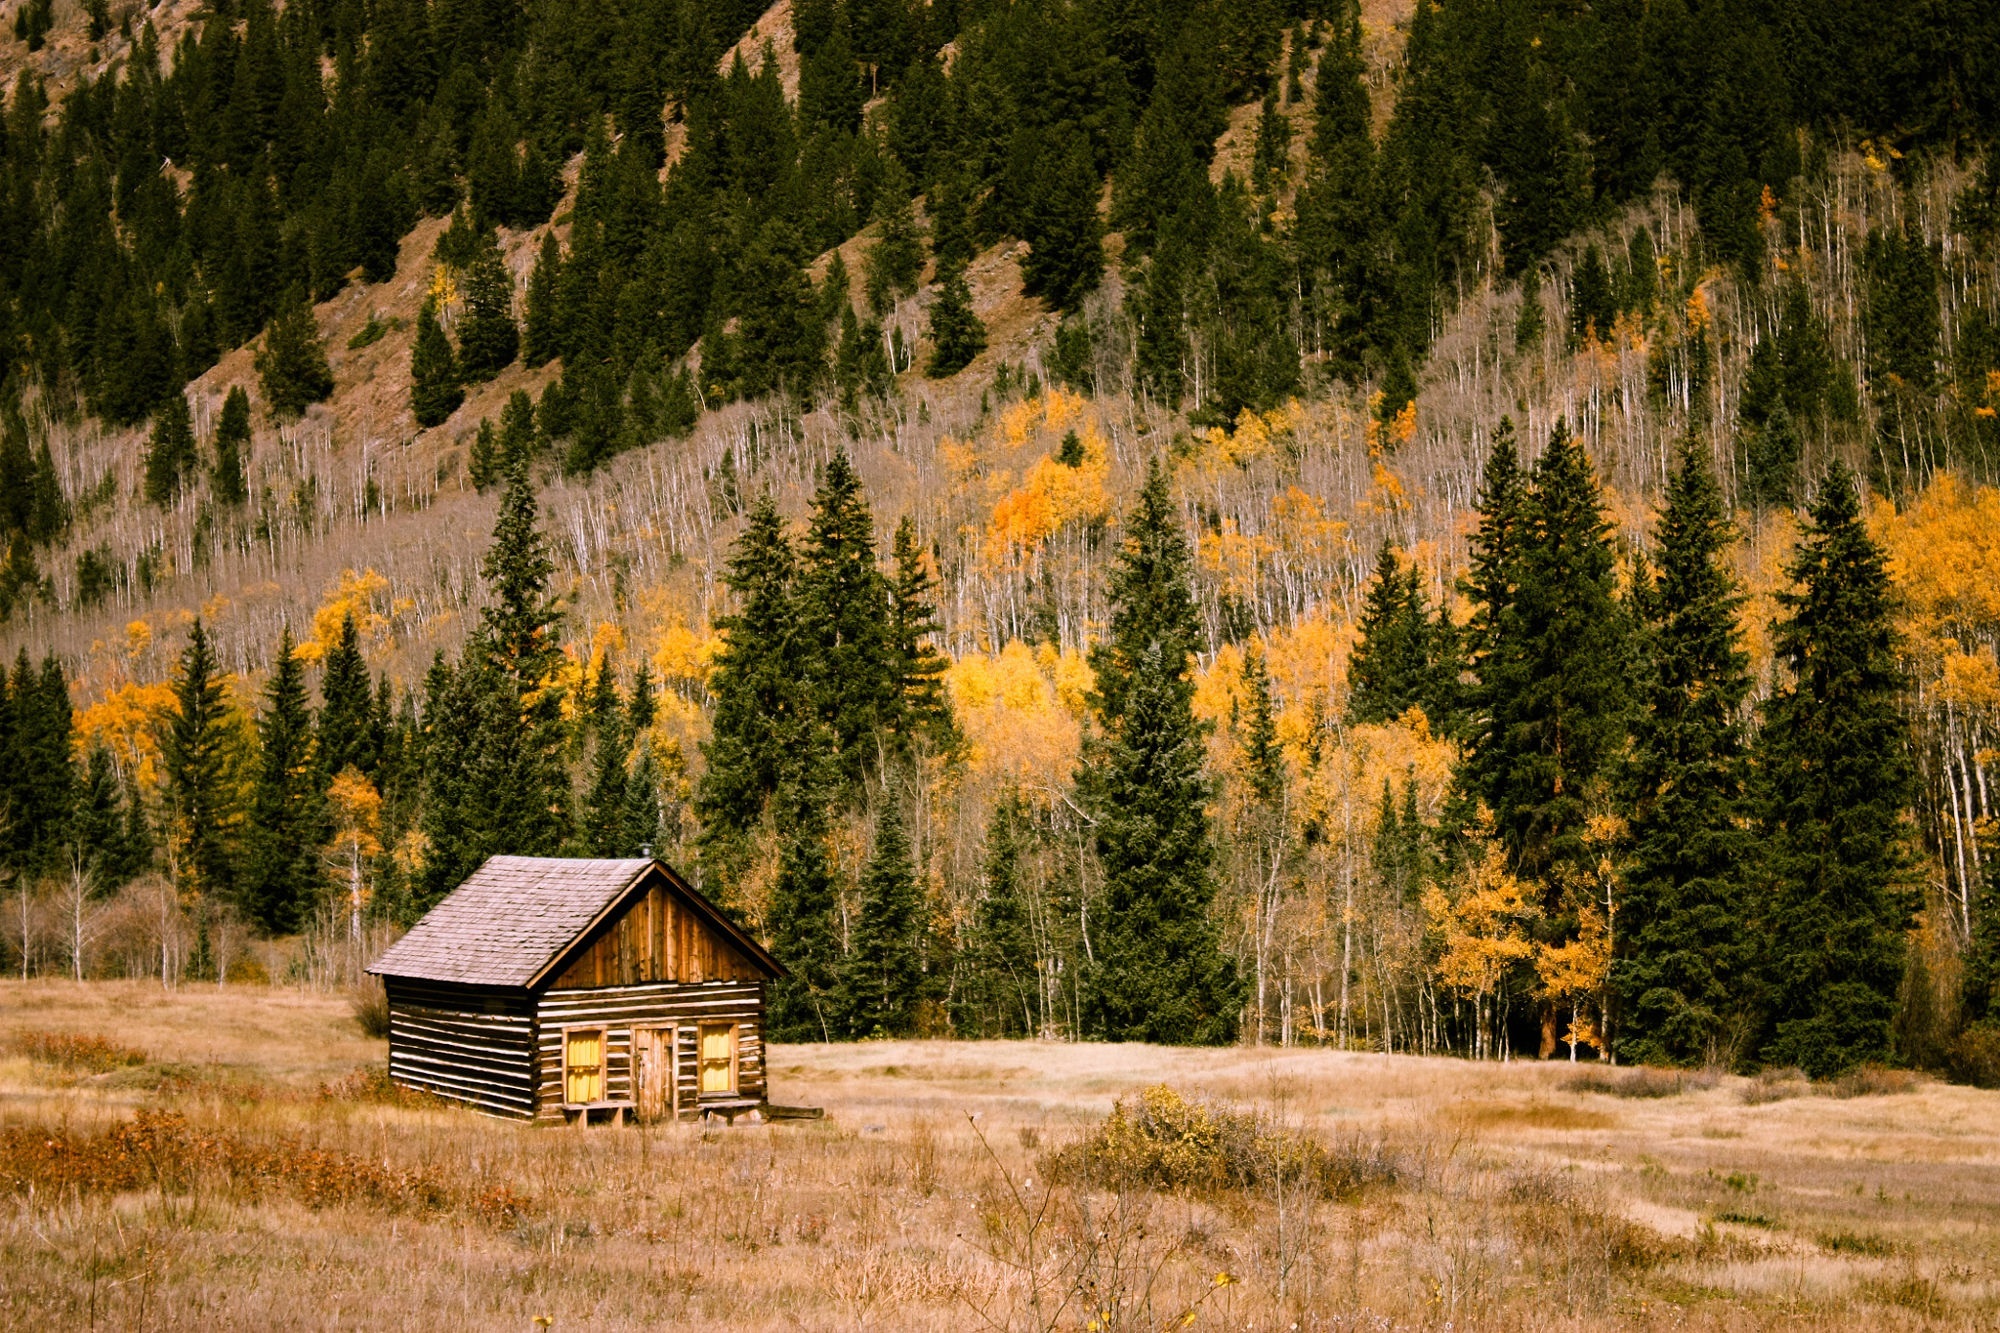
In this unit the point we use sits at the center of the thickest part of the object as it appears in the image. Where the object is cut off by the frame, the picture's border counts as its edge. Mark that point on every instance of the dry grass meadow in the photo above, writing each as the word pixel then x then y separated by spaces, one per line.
pixel 226 1159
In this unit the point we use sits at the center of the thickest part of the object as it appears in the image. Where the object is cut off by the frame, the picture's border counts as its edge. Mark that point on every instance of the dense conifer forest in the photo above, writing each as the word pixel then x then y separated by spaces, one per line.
pixel 1456 527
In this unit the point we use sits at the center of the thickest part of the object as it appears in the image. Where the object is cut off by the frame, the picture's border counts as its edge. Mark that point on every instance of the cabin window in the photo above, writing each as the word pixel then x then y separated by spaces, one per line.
pixel 583 1065
pixel 718 1058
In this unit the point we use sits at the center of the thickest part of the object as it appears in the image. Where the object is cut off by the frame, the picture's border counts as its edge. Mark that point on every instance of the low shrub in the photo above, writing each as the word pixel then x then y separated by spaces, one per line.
pixel 1170 1142
pixel 370 1006
pixel 1643 1081
pixel 371 1083
pixel 1871 1081
pixel 1974 1056
pixel 79 1053
pixel 1777 1085
pixel 159 1149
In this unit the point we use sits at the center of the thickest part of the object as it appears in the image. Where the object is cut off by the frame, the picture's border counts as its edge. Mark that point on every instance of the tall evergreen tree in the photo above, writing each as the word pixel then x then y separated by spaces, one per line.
pixel 1552 678
pixel 286 825
pixel 804 898
pixel 603 830
pixel 170 453
pixel 232 447
pixel 543 337
pixel 1682 968
pixel 1002 991
pixel 882 976
pixel 487 338
pixel 1390 669
pixel 957 335
pixel 1160 972
pixel 757 689
pixel 435 383
pixel 896 260
pixel 292 362
pixel 845 627
pixel 197 771
pixel 348 734
pixel 1064 233
pixel 1834 786
pixel 921 708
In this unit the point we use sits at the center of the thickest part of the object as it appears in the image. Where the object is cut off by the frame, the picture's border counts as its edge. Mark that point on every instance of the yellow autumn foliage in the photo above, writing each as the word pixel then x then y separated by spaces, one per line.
pixel 125 722
pixel 1019 711
pixel 363 595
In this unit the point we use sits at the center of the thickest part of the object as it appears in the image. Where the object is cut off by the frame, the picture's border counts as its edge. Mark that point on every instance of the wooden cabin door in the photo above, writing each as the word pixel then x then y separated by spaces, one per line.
pixel 654 1072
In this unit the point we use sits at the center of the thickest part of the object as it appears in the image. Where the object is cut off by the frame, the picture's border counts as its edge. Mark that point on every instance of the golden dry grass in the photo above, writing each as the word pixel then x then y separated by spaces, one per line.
pixel 247 1174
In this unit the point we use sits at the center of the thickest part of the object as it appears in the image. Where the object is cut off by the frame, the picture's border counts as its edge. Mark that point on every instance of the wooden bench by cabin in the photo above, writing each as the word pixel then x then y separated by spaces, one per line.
pixel 553 989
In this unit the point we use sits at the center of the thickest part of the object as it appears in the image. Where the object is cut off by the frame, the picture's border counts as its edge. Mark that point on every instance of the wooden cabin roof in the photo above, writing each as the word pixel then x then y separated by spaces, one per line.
pixel 517 916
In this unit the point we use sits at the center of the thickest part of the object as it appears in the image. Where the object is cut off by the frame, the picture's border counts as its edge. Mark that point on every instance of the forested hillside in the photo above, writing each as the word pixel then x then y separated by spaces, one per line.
pixel 1457 527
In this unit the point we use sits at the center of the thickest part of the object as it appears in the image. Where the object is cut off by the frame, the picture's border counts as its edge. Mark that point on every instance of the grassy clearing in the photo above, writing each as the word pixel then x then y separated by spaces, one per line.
pixel 232 1158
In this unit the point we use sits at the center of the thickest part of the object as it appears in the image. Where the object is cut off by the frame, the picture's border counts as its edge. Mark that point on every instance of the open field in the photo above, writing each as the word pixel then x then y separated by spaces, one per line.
pixel 241 1174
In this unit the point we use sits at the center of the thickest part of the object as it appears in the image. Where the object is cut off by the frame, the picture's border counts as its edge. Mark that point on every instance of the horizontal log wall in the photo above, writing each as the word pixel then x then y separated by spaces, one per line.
pixel 619 1008
pixel 470 1044
pixel 655 937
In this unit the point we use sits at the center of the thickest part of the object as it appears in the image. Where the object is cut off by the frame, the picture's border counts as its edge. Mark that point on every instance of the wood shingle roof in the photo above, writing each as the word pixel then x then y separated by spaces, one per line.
pixel 516 915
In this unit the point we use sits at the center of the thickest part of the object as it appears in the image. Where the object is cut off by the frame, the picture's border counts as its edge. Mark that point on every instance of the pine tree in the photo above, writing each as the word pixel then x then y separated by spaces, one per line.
pixel 487 338
pixel 757 689
pixel 291 365
pixel 197 766
pixel 882 976
pixel 1682 948
pixel 435 384
pixel 1834 786
pixel 1552 672
pixel 170 453
pixel 803 901
pixel 495 776
pixel 348 735
pixel 1593 305
pixel 1390 669
pixel 100 828
pixel 38 788
pixel 604 829
pixel 957 335
pixel 286 824
pixel 232 446
pixel 1064 233
pixel 921 709
pixel 543 336
pixel 1003 994
pixel 896 260
pixel 1160 972
pixel 844 625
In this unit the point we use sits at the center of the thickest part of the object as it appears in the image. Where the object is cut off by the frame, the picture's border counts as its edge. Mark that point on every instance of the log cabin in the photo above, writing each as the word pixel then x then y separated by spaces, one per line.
pixel 554 989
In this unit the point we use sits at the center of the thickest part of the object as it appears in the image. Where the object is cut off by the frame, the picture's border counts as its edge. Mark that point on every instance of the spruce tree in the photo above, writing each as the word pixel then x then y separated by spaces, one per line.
pixel 604 829
pixel 1390 670
pixel 1834 787
pixel 882 976
pixel 435 385
pixel 1003 992
pixel 1552 677
pixel 347 724
pixel 1160 972
pixel 286 824
pixel 804 898
pixel 957 335
pixel 197 769
pixel 1593 305
pixel 38 788
pixel 921 709
pixel 232 448
pixel 496 780
pixel 1682 966
pixel 542 337
pixel 487 338
pixel 758 693
pixel 291 365
pixel 1064 233
pixel 170 453
pixel 852 669
pixel 896 260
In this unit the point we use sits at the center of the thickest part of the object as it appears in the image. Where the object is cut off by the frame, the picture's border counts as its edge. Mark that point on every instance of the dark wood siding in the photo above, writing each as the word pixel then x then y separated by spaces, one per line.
pixel 618 1008
pixel 655 937
pixel 470 1044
